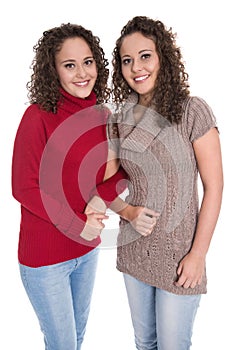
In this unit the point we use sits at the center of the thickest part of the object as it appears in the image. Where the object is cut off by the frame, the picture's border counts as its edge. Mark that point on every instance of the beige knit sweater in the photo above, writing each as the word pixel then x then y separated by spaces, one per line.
pixel 163 174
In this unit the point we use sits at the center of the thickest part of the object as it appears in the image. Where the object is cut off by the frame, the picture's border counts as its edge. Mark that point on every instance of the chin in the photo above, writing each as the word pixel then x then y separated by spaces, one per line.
pixel 83 95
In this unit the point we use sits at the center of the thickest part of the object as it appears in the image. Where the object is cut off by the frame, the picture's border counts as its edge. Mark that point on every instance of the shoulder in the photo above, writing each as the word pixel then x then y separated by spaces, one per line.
pixel 198 117
pixel 198 105
pixel 32 120
pixel 34 112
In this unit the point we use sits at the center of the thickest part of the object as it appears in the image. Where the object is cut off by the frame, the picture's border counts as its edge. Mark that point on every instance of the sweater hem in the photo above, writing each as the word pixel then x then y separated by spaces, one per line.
pixel 161 285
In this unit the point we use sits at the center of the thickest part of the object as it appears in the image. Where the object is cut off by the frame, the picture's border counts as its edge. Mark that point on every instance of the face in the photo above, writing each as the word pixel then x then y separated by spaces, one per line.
pixel 76 67
pixel 140 65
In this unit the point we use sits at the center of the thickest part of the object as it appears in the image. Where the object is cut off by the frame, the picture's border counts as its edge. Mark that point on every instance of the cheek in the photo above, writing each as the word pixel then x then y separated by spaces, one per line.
pixel 93 71
pixel 154 69
pixel 125 72
pixel 95 74
pixel 62 76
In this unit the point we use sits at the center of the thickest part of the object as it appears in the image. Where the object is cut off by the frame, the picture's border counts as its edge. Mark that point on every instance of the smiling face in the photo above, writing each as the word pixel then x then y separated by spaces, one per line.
pixel 140 65
pixel 76 67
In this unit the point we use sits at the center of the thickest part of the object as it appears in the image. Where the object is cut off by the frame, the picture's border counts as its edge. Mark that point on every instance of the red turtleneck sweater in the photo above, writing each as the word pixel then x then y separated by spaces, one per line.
pixel 57 161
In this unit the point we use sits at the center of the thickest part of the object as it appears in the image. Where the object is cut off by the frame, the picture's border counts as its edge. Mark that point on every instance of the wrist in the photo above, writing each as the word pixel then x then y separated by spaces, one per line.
pixel 198 253
pixel 97 204
pixel 126 212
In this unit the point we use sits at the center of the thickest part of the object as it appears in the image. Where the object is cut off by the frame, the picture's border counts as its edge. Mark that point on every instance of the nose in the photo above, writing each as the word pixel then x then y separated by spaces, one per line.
pixel 80 71
pixel 136 65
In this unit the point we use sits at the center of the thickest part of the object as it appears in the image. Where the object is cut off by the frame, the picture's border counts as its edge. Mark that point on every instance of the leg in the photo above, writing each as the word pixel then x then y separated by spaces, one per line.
pixel 175 316
pixel 82 283
pixel 141 299
pixel 49 291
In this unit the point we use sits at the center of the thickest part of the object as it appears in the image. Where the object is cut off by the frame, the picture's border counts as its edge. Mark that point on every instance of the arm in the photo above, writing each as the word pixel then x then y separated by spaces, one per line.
pixel 29 146
pixel 208 155
pixel 142 219
pixel 113 185
pixel 104 193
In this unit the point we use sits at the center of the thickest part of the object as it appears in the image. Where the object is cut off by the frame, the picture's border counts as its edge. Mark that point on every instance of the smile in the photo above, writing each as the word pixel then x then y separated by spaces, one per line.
pixel 82 83
pixel 142 78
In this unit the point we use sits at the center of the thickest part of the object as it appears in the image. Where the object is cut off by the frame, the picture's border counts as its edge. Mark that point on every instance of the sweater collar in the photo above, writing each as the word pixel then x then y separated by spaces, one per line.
pixel 72 104
pixel 141 134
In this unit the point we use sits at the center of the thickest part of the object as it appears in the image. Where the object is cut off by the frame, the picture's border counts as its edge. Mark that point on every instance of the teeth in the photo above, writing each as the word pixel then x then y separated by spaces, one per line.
pixel 82 83
pixel 141 78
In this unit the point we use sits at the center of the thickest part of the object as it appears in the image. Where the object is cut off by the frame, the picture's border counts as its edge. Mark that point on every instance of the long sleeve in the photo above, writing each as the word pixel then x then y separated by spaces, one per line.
pixel 111 188
pixel 29 145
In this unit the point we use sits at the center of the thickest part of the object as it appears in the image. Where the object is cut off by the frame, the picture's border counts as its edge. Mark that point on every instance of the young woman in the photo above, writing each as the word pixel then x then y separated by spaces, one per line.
pixel 60 136
pixel 166 137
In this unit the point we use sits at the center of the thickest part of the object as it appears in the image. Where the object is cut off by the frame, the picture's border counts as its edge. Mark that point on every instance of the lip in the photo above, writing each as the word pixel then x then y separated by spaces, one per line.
pixel 141 78
pixel 81 83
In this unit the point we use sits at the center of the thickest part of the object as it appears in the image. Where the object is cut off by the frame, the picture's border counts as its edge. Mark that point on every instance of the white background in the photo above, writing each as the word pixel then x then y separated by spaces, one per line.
pixel 205 37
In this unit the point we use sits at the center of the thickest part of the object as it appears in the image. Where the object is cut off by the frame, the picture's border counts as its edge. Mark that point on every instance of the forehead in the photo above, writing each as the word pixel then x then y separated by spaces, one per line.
pixel 136 42
pixel 75 46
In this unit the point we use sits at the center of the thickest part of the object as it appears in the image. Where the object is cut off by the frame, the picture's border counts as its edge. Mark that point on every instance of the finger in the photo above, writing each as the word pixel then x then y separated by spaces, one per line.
pixel 151 213
pixel 148 220
pixel 144 226
pixel 101 225
pixel 193 284
pixel 94 233
pixel 88 237
pixel 144 232
pixel 148 232
pixel 179 270
pixel 187 284
pixel 98 226
pixel 101 216
pixel 91 238
pixel 180 282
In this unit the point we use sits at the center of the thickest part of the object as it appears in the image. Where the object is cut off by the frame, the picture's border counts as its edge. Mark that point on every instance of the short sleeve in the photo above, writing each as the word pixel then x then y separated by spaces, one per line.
pixel 199 118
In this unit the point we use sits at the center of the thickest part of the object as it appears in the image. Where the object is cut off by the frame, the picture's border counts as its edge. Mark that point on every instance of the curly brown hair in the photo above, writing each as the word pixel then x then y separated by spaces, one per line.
pixel 44 86
pixel 172 86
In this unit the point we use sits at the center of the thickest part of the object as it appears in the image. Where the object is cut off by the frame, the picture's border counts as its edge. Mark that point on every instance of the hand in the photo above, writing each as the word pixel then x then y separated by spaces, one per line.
pixel 94 226
pixel 190 271
pixel 95 205
pixel 142 219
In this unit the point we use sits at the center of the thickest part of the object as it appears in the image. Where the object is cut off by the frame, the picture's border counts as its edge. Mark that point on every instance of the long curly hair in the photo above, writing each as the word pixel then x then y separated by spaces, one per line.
pixel 172 87
pixel 44 86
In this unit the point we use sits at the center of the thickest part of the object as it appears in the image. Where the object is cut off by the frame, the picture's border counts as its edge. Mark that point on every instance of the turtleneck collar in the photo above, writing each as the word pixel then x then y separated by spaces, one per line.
pixel 72 104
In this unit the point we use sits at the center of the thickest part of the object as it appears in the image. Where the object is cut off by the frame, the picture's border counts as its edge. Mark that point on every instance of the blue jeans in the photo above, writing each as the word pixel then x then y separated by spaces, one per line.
pixel 161 320
pixel 61 295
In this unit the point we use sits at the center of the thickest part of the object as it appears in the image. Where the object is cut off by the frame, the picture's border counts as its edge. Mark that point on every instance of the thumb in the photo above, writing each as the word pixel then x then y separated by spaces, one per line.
pixel 100 216
pixel 151 213
pixel 179 270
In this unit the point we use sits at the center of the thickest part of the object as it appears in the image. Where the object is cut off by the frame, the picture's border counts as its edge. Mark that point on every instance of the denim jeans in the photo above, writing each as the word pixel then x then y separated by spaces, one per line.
pixel 61 295
pixel 161 320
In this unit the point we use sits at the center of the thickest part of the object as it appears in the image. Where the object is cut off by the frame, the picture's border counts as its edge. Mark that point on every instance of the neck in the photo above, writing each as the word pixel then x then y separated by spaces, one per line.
pixel 73 104
pixel 145 100
pixel 138 112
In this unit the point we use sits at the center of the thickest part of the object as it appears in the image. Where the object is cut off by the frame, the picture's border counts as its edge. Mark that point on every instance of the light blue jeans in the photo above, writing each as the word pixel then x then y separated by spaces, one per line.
pixel 161 320
pixel 61 295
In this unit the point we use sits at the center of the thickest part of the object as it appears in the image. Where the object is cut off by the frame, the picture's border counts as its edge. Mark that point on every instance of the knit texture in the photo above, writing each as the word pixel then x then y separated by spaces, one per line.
pixel 57 161
pixel 160 162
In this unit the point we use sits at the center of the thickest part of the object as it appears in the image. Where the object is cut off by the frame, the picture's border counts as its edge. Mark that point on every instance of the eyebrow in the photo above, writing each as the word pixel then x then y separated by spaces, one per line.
pixel 141 51
pixel 73 60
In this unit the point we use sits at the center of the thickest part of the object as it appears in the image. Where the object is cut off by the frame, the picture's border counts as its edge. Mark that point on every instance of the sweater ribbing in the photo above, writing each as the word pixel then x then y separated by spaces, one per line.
pixel 52 219
pixel 160 162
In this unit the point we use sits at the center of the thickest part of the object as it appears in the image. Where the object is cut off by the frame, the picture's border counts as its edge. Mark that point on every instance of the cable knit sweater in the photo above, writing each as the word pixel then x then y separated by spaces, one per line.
pixel 160 162
pixel 57 161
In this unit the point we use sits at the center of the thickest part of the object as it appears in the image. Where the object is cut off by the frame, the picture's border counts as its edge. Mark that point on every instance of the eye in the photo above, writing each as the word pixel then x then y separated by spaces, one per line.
pixel 89 61
pixel 145 56
pixel 126 61
pixel 69 65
